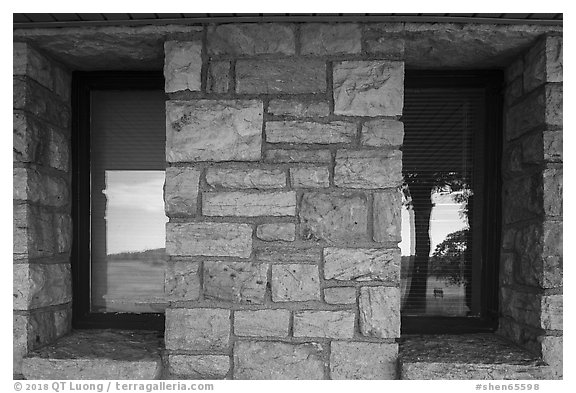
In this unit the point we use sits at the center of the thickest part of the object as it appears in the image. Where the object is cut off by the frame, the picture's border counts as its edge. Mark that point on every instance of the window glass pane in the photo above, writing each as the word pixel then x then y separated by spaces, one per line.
pixel 127 215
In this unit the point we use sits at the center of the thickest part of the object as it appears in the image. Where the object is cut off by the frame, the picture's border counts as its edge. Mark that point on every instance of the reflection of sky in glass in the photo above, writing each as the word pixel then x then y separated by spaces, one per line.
pixel 135 219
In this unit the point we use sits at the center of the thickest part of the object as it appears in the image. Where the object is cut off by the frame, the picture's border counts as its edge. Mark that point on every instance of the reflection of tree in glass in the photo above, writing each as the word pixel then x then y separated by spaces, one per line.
pixel 449 259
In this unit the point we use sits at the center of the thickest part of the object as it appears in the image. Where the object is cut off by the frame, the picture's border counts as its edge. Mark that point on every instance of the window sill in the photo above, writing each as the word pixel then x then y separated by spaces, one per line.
pixel 98 354
pixel 467 356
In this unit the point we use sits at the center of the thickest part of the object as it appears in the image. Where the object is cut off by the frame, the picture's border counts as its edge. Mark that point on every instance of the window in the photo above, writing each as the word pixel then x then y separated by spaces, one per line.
pixel 119 163
pixel 450 213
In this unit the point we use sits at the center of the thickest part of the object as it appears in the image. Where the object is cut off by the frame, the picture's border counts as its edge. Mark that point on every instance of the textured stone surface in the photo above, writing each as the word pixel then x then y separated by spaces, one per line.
pixel 310 132
pixel 238 282
pixel 182 281
pixel 295 283
pixel 326 39
pixel 280 76
pixel 522 198
pixel 544 63
pixel 387 222
pixel 340 295
pixel 209 239
pixel 290 156
pixel 199 366
pixel 368 88
pixel 246 178
pixel 382 132
pixel 218 77
pixel 361 360
pixel 380 312
pixel 299 108
pixel 261 323
pixel 182 65
pixel 276 360
pixel 543 311
pixel 368 169
pixel 281 203
pixel 553 191
pixel 213 130
pixel 37 285
pixel 36 187
pixel 181 191
pixel 97 355
pixel 289 255
pixel 310 177
pixel 272 232
pixel 40 102
pixel 198 329
pixel 385 38
pixel 542 147
pixel 329 324
pixel 552 353
pixel 251 39
pixel 362 264
pixel 333 217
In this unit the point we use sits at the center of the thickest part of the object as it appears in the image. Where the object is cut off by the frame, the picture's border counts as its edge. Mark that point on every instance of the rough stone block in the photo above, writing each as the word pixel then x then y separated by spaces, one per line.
pixel 544 63
pixel 387 209
pixel 382 132
pixel 38 285
pixel 182 65
pixel 243 204
pixel 289 255
pixel 208 239
pixel 40 102
pixel 199 366
pixel 213 130
pixel 261 323
pixel 237 282
pixel 326 39
pixel 552 353
pixel 380 312
pixel 33 186
pixel 251 39
pixel 310 132
pixel 553 190
pixel 290 76
pixel 368 88
pixel 362 360
pixel 384 39
pixel 182 281
pixel 553 146
pixel 277 360
pixel 181 191
pixel 291 156
pixel 273 232
pixel 198 329
pixel 514 70
pixel 368 169
pixel 334 218
pixel 28 62
pixel 298 108
pixel 295 283
pixel 340 295
pixel 246 178
pixel 310 177
pixel 218 76
pixel 328 324
pixel 362 264
pixel 522 198
pixel 542 311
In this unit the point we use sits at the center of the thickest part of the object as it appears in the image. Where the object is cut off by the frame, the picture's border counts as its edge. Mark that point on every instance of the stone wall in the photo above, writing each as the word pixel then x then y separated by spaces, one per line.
pixel 42 290
pixel 283 196
pixel 531 259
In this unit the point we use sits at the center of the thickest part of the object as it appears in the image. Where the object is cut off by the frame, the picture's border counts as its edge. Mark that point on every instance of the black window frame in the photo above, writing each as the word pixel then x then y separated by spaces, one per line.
pixel 492 81
pixel 82 85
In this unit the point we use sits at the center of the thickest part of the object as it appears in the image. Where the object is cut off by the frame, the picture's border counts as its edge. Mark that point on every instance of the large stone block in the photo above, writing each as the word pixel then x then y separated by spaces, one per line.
pixel 208 239
pixel 290 156
pixel 261 323
pixel 290 76
pixel 382 132
pixel 387 209
pixel 295 283
pixel 298 108
pixel 368 169
pixel 544 63
pixel 251 39
pixel 385 39
pixel 328 324
pixel 310 132
pixel 246 178
pixel 219 130
pixel 340 295
pixel 218 77
pixel 182 65
pixel 40 102
pixel 310 177
pixel 327 39
pixel 33 186
pixel 289 255
pixel 182 281
pixel 334 218
pixel 362 360
pixel 237 282
pixel 198 329
pixel 38 285
pixel 181 191
pixel 243 204
pixel 199 366
pixel 281 231
pixel 552 353
pixel 553 190
pixel 369 88
pixel 277 360
pixel 380 312
pixel 541 311
pixel 362 264
pixel 522 198
pixel 28 62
